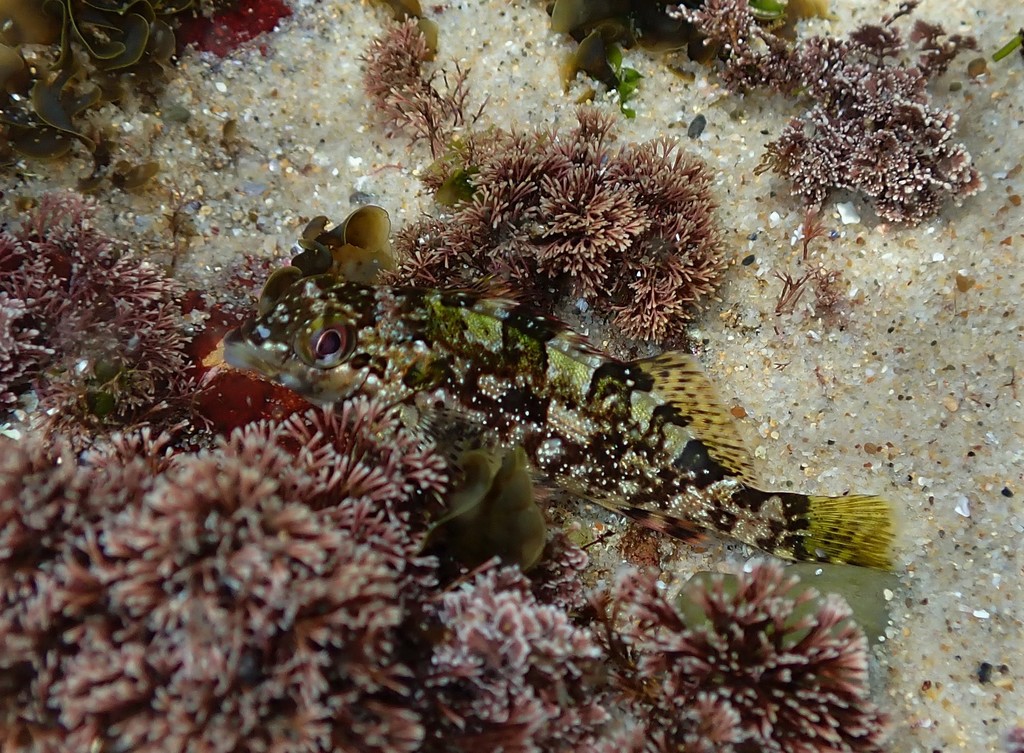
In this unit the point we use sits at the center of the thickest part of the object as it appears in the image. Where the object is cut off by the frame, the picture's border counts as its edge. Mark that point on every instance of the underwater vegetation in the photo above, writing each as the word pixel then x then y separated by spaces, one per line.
pixel 655 25
pixel 266 591
pixel 492 511
pixel 99 340
pixel 59 59
pixel 65 56
pixel 872 127
pixel 811 274
pixel 603 29
pixel 423 106
pixel 358 248
pixel 628 23
pixel 95 331
pixel 743 664
pixel 550 213
pixel 1015 740
pixel 258 593
pixel 630 229
pixel 1009 47
pixel 270 591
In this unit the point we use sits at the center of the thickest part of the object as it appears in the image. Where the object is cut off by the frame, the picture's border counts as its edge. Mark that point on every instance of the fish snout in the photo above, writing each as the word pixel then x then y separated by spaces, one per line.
pixel 240 351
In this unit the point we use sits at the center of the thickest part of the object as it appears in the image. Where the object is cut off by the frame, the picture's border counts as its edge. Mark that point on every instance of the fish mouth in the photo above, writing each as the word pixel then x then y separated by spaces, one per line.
pixel 241 353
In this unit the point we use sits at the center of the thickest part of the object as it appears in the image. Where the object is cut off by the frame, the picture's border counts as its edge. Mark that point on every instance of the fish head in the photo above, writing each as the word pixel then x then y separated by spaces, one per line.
pixel 306 336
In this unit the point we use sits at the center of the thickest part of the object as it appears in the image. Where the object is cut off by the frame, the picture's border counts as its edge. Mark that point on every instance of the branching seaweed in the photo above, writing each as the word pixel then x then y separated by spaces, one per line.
pixel 872 127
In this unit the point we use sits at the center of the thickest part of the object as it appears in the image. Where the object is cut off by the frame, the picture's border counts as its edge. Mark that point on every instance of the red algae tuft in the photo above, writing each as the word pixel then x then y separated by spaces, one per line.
pixel 224 32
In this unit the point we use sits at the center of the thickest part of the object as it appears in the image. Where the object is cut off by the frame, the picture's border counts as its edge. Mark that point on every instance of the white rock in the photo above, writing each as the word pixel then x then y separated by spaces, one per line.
pixel 848 213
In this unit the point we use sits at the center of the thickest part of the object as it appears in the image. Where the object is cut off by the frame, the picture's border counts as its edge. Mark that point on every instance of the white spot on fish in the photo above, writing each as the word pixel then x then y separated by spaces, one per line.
pixel 549 449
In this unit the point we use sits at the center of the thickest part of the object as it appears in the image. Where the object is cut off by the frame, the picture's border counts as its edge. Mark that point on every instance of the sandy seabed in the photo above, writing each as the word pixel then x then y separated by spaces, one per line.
pixel 914 393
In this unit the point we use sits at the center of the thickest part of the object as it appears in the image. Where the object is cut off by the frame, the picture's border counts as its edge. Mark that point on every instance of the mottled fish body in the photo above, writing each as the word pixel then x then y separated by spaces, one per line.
pixel 648 438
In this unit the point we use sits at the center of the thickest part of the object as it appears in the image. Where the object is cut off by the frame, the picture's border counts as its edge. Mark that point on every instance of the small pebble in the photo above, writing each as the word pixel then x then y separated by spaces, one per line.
pixel 977 67
pixel 985 673
pixel 963 506
pixel 10 432
pixel 361 198
pixel 848 213
pixel 964 283
pixel 696 126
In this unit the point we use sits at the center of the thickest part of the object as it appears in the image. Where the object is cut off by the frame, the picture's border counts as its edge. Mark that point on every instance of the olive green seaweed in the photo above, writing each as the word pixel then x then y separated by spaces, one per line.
pixel 1009 47
pixel 602 26
pixel 867 591
pixel 492 513
pixel 59 58
pixel 358 249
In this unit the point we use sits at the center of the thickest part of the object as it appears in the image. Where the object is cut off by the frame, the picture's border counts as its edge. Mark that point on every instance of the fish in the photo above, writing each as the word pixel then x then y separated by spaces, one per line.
pixel 649 438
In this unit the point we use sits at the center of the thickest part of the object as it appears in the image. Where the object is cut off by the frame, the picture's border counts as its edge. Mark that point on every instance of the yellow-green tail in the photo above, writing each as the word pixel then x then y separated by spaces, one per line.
pixel 857 530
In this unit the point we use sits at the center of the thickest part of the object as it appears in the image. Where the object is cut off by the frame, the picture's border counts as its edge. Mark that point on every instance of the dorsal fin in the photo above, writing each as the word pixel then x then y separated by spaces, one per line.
pixel 679 379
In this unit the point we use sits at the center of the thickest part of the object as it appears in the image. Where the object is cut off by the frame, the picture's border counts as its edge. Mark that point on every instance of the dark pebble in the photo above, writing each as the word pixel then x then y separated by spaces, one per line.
pixel 696 126
pixel 747 261
pixel 985 673
pixel 361 198
pixel 1007 492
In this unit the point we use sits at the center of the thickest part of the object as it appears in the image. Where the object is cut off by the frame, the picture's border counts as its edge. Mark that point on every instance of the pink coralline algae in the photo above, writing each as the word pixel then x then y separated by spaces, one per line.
pixel 756 664
pixel 516 675
pixel 872 127
pixel 94 329
pixel 631 228
pixel 1015 740
pixel 269 593
pixel 423 106
pixel 21 349
pixel 234 597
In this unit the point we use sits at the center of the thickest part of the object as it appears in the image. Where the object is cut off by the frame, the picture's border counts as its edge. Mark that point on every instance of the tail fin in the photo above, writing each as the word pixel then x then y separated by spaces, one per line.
pixel 857 530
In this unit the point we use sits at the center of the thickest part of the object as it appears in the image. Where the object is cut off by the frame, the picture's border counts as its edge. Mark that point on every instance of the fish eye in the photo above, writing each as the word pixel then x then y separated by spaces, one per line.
pixel 327 346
